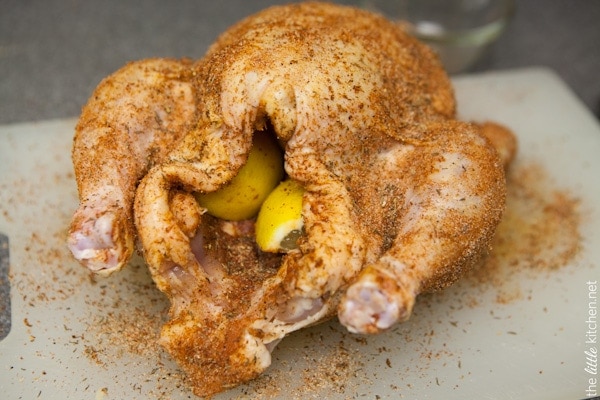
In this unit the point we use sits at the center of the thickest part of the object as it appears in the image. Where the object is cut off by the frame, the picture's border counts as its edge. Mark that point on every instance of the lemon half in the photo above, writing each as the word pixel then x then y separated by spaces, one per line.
pixel 242 197
pixel 279 222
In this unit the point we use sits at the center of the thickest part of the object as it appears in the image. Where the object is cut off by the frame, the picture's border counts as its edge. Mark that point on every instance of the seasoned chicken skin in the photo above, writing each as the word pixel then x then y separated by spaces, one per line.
pixel 400 197
pixel 132 121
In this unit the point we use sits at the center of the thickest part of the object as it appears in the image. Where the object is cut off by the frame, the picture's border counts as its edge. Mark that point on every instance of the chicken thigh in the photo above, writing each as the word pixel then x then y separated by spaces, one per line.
pixel 400 198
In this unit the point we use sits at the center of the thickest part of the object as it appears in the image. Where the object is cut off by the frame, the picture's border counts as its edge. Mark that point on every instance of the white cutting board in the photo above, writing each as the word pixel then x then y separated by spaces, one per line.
pixel 519 337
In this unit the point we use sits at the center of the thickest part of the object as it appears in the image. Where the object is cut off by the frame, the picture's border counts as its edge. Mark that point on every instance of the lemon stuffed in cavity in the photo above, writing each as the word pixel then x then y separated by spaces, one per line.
pixel 242 197
pixel 279 222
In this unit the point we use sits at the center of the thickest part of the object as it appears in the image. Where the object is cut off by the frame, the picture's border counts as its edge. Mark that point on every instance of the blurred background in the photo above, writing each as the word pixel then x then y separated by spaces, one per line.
pixel 54 52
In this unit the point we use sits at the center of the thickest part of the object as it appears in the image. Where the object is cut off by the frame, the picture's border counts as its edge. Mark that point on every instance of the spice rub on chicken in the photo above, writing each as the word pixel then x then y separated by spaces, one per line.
pixel 390 195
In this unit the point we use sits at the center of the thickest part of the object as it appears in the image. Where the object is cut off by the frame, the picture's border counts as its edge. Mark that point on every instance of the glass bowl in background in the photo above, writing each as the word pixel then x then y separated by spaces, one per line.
pixel 460 31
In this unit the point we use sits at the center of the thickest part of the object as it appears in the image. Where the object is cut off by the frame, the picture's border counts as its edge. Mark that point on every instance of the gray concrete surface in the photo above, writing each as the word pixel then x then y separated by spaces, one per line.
pixel 53 52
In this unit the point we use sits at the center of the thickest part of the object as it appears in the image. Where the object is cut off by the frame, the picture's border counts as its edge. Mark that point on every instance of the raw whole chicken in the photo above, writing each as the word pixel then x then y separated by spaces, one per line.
pixel 400 198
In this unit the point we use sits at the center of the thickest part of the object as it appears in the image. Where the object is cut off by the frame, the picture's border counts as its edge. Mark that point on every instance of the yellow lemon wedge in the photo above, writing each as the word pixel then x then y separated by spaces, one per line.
pixel 242 197
pixel 279 222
